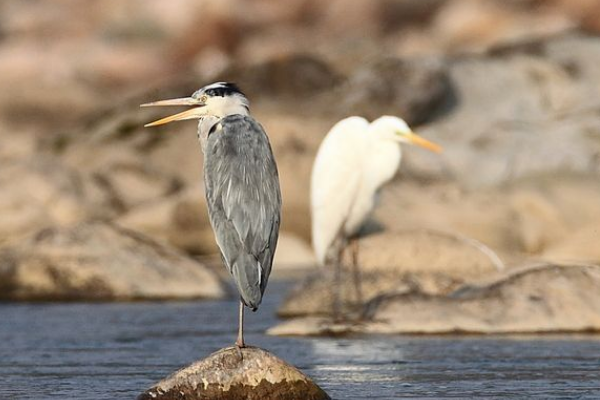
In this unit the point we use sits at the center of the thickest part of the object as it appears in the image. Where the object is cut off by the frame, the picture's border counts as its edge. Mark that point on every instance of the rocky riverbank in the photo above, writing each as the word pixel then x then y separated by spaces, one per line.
pixel 94 206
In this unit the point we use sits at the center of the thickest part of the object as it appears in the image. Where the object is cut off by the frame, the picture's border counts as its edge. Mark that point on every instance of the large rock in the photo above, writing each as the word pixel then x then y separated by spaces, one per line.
pixel 428 261
pixel 115 157
pixel 536 217
pixel 410 89
pixel 538 299
pixel 284 77
pixel 37 193
pixel 546 298
pixel 250 373
pixel 100 261
pixel 519 111
pixel 582 245
pixel 180 219
pixel 132 183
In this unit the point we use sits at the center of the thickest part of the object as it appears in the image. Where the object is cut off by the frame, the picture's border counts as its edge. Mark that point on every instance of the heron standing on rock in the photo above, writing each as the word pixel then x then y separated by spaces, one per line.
pixel 241 185
pixel 353 162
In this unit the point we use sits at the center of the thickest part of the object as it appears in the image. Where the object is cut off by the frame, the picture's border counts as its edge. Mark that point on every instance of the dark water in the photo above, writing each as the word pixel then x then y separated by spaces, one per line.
pixel 114 351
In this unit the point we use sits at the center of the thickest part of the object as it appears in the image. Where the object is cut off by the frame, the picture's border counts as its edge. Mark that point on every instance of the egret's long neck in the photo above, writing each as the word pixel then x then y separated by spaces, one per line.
pixel 224 106
pixel 382 163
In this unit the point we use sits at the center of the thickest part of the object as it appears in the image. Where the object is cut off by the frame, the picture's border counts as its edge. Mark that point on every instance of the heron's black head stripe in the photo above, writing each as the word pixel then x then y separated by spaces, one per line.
pixel 222 90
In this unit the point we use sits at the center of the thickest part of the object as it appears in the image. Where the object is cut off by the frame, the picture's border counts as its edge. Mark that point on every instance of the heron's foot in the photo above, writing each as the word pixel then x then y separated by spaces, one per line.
pixel 239 346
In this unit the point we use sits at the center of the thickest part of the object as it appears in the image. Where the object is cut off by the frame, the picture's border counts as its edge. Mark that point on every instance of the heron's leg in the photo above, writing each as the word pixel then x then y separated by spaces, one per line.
pixel 356 272
pixel 337 286
pixel 240 339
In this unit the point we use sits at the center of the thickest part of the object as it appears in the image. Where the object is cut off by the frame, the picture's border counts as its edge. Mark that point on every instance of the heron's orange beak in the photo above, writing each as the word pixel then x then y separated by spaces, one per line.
pixel 413 138
pixel 193 113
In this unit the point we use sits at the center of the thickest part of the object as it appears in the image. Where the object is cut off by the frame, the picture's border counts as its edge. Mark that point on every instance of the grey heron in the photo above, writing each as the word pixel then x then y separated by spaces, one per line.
pixel 241 185
pixel 353 162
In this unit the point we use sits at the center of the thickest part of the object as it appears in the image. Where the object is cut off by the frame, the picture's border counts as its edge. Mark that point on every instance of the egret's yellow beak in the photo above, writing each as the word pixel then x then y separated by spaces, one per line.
pixel 413 138
pixel 193 113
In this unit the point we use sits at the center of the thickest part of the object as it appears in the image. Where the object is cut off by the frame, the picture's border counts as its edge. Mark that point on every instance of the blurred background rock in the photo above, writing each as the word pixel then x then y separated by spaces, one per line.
pixel 509 88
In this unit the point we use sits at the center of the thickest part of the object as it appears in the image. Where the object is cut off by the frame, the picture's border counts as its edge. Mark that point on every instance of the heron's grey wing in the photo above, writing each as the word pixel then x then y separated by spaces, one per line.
pixel 244 200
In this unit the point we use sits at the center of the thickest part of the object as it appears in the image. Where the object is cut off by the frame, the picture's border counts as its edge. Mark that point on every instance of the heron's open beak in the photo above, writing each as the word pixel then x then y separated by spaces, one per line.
pixel 193 113
pixel 413 138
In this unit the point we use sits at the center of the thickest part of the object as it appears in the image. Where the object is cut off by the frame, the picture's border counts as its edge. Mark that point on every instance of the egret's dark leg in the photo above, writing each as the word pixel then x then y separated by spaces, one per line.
pixel 356 272
pixel 337 286
pixel 240 339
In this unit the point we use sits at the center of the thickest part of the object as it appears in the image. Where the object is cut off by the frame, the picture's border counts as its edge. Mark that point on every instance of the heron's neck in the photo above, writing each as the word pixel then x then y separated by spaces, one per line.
pixel 205 124
pixel 224 106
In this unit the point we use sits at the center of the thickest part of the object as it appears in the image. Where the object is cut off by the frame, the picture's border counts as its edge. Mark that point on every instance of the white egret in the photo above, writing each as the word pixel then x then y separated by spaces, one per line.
pixel 353 162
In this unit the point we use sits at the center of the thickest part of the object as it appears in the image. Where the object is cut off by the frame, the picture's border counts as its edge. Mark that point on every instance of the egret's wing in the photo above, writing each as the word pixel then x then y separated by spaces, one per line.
pixel 244 200
pixel 335 181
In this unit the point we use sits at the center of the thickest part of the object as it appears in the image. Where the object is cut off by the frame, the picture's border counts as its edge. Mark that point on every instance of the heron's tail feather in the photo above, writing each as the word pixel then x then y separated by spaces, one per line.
pixel 247 272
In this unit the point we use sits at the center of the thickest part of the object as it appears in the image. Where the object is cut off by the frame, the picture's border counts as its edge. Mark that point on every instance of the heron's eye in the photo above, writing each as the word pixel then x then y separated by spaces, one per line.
pixel 204 98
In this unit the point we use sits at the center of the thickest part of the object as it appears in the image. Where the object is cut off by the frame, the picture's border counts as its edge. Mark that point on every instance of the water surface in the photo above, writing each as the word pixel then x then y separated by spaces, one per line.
pixel 115 351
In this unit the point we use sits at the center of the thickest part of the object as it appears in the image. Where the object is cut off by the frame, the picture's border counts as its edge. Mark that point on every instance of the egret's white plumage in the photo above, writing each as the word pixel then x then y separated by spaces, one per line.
pixel 353 162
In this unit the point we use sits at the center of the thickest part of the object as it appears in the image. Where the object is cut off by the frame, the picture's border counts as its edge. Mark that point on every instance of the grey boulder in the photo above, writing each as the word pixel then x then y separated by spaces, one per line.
pixel 537 299
pixel 101 261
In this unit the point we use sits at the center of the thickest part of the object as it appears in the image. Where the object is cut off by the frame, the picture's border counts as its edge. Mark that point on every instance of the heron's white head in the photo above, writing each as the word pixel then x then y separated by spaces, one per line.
pixel 219 99
pixel 397 130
